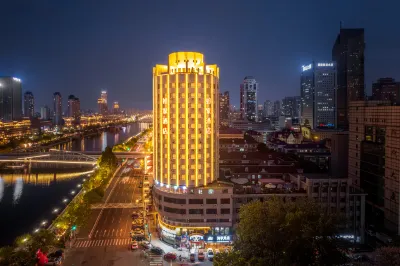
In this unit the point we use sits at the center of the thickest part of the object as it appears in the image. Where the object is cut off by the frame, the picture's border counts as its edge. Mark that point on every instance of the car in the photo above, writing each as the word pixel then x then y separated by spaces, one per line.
pixel 170 256
pixel 157 251
pixel 200 255
pixel 55 258
pixel 145 244
pixel 192 257
pixel 209 249
pixel 135 215
pixel 134 245
pixel 138 232
pixel 210 254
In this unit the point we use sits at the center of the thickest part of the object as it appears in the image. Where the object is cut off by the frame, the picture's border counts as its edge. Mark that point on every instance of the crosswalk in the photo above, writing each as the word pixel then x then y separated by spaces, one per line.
pixel 85 243
pixel 156 260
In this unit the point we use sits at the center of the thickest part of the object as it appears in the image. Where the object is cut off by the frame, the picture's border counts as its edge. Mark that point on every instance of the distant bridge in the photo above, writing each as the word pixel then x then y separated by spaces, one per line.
pixel 50 157
pixel 115 206
pixel 65 157
pixel 145 118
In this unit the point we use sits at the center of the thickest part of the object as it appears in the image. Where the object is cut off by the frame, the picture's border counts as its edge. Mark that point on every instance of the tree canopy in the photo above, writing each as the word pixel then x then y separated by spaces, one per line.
pixel 278 232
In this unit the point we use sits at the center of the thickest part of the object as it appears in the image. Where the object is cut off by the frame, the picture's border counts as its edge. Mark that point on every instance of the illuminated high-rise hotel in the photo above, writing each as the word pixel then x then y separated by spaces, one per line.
pixel 185 104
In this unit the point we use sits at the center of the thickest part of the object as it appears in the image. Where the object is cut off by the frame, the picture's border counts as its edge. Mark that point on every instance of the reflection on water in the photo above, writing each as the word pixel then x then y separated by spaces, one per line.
pixel 19 185
pixel 1 188
pixel 43 179
pixel 102 140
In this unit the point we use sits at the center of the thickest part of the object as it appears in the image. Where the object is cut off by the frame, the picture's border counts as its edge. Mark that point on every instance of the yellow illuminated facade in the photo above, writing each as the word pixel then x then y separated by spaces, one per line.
pixel 185 120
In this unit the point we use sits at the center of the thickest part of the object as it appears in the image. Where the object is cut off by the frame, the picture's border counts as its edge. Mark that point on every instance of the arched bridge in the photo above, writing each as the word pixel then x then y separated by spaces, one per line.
pixel 51 157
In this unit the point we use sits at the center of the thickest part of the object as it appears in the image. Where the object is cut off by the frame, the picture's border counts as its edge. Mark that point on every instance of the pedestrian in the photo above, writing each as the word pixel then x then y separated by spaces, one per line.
pixel 180 257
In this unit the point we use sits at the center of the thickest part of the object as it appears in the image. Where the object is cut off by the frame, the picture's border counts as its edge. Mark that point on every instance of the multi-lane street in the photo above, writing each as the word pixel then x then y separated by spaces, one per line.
pixel 106 239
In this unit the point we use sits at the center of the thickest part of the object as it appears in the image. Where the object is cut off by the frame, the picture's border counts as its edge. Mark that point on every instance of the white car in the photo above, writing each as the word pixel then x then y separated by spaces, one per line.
pixel 210 254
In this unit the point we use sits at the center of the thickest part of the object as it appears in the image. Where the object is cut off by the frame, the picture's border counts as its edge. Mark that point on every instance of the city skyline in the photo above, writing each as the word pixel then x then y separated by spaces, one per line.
pixel 82 67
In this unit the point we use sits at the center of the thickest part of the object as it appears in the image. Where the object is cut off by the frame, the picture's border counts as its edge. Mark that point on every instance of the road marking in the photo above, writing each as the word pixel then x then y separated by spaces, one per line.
pixel 105 231
pixel 97 231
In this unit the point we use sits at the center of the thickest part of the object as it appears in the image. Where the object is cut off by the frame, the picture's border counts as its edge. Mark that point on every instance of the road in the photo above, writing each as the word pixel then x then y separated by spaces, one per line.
pixel 105 241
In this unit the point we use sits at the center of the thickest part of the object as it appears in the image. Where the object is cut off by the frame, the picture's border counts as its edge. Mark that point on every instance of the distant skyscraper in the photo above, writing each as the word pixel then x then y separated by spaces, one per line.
pixel 224 105
pixel 297 108
pixel 10 98
pixel 29 103
pixel 116 108
pixel 386 89
pixel 57 108
pixel 318 95
pixel 289 106
pixel 74 106
pixel 268 108
pixel 45 112
pixel 102 103
pixel 277 108
pixel 248 99
pixel 348 53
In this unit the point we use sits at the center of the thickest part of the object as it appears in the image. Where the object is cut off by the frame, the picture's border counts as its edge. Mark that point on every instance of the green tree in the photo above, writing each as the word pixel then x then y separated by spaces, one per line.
pixel 108 160
pixel 43 239
pixel 6 255
pixel 278 232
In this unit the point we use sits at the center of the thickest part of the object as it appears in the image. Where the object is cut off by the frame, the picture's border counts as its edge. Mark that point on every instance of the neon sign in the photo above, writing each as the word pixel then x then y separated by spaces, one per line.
pixel 305 68
pixel 325 64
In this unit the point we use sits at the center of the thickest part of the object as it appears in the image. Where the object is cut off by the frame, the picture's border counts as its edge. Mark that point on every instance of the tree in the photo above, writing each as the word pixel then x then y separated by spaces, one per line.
pixel 108 160
pixel 388 256
pixel 262 147
pixel 279 232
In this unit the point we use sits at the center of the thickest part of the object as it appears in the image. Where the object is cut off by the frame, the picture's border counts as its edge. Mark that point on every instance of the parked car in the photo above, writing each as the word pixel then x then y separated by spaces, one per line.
pixel 55 258
pixel 200 255
pixel 192 257
pixel 170 256
pixel 210 254
pixel 134 245
pixel 157 251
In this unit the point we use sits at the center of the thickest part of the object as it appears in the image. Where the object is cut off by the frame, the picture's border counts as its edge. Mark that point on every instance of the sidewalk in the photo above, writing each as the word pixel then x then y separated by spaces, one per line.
pixel 155 241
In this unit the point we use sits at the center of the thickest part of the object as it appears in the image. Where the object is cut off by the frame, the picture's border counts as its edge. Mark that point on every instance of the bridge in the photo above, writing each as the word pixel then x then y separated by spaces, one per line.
pixel 115 206
pixel 51 157
pixel 65 157
pixel 145 118
pixel 120 154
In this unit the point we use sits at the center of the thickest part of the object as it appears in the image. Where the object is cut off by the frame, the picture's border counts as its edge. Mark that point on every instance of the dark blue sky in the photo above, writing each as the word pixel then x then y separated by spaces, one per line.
pixel 80 46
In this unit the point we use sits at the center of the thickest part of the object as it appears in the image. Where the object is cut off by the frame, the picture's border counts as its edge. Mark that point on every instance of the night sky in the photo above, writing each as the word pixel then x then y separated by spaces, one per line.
pixel 81 47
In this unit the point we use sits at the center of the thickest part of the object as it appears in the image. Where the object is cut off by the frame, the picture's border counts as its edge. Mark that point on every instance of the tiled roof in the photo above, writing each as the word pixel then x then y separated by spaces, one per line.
pixel 237 141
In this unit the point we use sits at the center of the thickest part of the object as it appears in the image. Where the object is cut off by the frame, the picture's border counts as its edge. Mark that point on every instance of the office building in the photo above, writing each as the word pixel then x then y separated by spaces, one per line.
pixel 248 99
pixel 29 104
pixel 57 109
pixel 268 108
pixel 374 159
pixel 386 89
pixel 10 99
pixel 297 107
pixel 116 110
pixel 45 112
pixel 289 107
pixel 102 103
pixel 277 108
pixel 185 157
pixel 224 104
pixel 74 106
pixel 348 53
pixel 318 95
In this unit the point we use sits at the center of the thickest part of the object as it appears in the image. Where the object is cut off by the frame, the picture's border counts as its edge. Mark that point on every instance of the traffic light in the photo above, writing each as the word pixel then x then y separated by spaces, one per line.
pixel 145 225
pixel 73 228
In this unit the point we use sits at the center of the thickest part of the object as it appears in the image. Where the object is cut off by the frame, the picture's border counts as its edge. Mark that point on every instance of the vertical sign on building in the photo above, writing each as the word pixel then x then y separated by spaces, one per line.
pixel 164 117
pixel 208 114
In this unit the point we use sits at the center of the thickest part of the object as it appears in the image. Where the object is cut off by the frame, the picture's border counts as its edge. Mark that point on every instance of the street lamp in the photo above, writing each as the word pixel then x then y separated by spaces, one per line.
pixel 55 210
pixel 44 222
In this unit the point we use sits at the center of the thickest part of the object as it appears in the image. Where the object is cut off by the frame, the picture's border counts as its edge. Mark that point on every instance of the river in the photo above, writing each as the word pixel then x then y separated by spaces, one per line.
pixel 28 199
